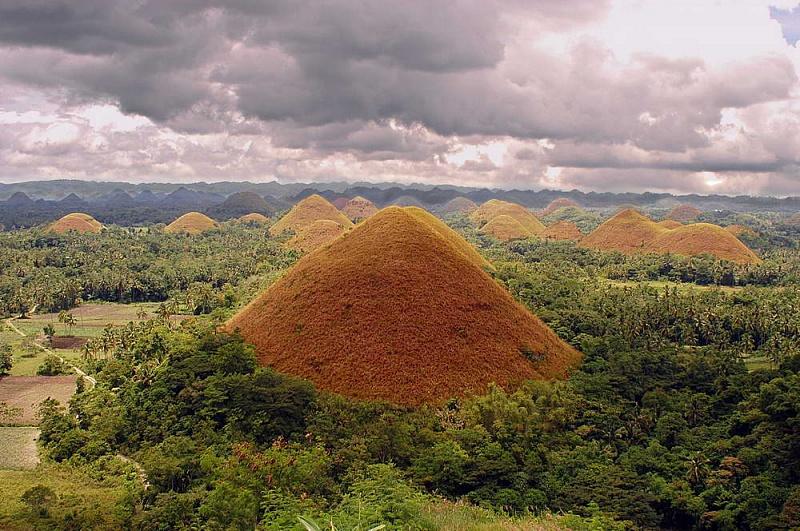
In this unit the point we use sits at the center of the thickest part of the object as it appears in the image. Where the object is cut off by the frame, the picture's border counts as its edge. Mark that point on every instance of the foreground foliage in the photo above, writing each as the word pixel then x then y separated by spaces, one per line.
pixel 665 425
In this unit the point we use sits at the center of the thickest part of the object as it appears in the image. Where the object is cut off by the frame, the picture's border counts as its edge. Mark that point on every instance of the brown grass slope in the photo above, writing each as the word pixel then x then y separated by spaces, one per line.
pixel 254 217
pixel 670 223
pixel 495 207
pixel 555 204
pixel 191 223
pixel 794 219
pixel 631 232
pixel 310 237
pixel 505 228
pixel 451 237
pixel 703 238
pixel 563 230
pixel 76 222
pixel 306 212
pixel 684 213
pixel 359 208
pixel 740 230
pixel 393 311
pixel 627 231
pixel 459 204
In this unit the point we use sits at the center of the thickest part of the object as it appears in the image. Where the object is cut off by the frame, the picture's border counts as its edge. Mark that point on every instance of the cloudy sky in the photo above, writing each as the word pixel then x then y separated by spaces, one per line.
pixel 625 95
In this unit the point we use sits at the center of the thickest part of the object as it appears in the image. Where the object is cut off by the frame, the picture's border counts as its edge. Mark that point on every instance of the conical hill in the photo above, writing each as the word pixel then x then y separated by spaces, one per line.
pixel 495 207
pixel 397 310
pixel 76 222
pixel 306 212
pixel 191 223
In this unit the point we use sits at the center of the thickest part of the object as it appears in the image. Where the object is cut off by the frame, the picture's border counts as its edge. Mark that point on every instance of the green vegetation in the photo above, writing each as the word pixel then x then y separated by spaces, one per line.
pixel 52 272
pixel 685 412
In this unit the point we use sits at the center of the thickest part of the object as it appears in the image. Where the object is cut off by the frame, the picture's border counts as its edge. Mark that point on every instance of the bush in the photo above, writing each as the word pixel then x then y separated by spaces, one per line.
pixel 53 366
pixel 39 499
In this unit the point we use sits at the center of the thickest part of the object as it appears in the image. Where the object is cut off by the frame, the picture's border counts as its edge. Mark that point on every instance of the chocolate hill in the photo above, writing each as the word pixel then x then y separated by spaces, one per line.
pixel 740 230
pixel 495 207
pixel 630 232
pixel 306 212
pixel 191 223
pixel 703 238
pixel 459 204
pixel 627 231
pixel 555 204
pixel 76 222
pixel 505 228
pixel 562 230
pixel 254 218
pixel 359 208
pixel 317 234
pixel 684 213
pixel 669 223
pixel 395 310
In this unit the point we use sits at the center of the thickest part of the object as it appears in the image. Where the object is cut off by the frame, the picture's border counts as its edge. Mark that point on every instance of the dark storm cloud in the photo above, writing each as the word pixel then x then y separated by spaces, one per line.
pixel 393 82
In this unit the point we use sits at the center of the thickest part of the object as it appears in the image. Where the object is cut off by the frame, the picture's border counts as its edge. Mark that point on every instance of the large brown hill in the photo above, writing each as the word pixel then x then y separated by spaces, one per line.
pixel 495 207
pixel 306 212
pixel 555 204
pixel 459 204
pixel 395 310
pixel 359 208
pixel 684 213
pixel 191 223
pixel 703 238
pixel 317 234
pixel 627 231
pixel 76 222
pixel 630 232
pixel 562 230
pixel 505 228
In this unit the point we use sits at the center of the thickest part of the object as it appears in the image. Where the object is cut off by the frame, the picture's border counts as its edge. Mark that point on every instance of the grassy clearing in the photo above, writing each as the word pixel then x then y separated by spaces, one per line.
pixel 758 362
pixel 92 318
pixel 77 493
pixel 18 449
pixel 661 284
pixel 27 392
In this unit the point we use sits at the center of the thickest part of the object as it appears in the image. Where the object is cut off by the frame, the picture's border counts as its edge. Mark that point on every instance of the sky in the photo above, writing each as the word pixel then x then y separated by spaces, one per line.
pixel 686 96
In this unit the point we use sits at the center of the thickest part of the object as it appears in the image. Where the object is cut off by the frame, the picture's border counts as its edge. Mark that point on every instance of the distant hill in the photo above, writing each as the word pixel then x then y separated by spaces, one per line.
pixel 191 223
pixel 239 204
pixel 163 202
pixel 631 232
pixel 306 212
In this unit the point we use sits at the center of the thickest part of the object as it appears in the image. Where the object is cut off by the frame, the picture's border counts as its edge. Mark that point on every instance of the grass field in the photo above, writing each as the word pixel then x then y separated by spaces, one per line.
pixel 661 284
pixel 26 392
pixel 92 318
pixel 77 493
pixel 18 448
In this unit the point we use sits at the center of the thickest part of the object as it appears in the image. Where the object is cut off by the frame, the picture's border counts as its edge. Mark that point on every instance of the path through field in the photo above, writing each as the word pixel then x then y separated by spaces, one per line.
pixel 24 439
pixel 12 326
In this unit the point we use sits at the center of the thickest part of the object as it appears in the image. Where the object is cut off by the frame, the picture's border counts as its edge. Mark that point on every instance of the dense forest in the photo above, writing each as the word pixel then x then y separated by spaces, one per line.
pixel 685 413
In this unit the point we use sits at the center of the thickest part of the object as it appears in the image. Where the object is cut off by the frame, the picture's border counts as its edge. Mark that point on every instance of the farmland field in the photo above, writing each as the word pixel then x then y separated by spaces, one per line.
pixel 18 447
pixel 26 392
pixel 91 319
